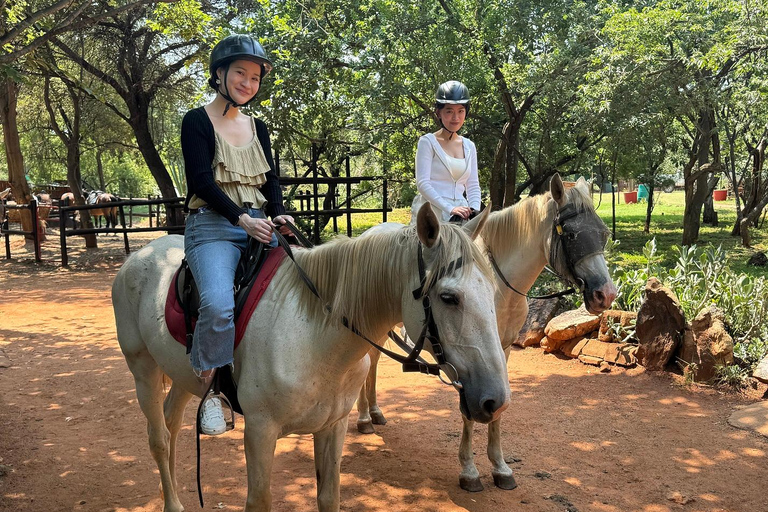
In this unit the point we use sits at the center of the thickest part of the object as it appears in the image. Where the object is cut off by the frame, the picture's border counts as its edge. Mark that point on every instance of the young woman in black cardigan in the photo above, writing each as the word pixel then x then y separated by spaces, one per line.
pixel 232 192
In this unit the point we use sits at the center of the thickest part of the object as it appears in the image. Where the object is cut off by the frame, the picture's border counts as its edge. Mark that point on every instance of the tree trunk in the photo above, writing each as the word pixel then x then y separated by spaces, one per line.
pixel 752 204
pixel 100 170
pixel 140 125
pixel 696 182
pixel 14 158
pixel 496 182
pixel 750 220
pixel 710 215
pixel 510 174
pixel 649 208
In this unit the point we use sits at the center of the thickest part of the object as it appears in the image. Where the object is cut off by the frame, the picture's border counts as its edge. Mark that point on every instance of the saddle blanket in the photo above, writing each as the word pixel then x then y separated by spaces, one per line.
pixel 174 314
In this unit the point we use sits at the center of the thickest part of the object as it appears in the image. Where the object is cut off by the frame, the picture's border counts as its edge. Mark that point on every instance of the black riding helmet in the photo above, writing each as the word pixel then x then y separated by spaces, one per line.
pixel 452 92
pixel 232 48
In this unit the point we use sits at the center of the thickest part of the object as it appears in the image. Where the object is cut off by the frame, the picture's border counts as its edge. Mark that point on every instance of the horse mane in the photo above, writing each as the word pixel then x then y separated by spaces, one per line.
pixel 360 279
pixel 508 228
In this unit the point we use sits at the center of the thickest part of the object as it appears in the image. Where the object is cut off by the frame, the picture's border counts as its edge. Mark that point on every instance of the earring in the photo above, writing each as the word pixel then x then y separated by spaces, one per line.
pixel 218 81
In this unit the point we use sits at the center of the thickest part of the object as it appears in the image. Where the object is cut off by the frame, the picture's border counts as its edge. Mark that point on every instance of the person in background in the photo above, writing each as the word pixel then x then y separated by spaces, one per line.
pixel 446 163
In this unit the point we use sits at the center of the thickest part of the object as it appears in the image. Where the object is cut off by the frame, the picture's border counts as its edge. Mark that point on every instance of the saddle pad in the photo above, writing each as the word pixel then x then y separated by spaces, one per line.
pixel 174 314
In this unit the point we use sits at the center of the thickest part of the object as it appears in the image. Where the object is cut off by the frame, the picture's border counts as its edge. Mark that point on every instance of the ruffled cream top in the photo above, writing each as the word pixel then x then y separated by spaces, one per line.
pixel 239 171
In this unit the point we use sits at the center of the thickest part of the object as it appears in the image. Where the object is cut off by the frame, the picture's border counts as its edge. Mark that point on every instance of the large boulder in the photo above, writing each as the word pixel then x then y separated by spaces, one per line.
pixel 659 326
pixel 761 372
pixel 707 344
pixel 571 324
pixel 540 312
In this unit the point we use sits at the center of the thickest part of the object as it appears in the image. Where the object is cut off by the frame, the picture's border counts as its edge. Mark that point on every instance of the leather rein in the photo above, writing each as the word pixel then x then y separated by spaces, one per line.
pixel 413 362
pixel 565 238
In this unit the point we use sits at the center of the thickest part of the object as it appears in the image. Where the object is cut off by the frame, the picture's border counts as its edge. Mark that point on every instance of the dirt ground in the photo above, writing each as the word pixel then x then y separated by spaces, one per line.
pixel 72 436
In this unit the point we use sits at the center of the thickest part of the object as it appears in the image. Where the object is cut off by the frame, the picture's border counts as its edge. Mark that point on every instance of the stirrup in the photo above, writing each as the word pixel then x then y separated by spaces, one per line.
pixel 230 423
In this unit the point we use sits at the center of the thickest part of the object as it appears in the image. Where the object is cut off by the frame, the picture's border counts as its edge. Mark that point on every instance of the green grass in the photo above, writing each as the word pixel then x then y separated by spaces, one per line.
pixel 667 228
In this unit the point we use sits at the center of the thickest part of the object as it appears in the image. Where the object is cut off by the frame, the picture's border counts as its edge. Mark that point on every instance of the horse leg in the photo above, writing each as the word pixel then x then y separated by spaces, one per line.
pixel 469 478
pixel 502 474
pixel 260 443
pixel 175 403
pixel 370 384
pixel 367 396
pixel 149 391
pixel 329 444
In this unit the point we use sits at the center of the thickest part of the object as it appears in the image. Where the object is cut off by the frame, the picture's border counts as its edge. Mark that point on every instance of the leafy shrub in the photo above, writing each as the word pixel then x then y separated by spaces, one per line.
pixel 701 277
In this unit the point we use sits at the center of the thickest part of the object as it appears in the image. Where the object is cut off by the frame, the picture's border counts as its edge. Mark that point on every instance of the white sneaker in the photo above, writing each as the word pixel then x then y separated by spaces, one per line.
pixel 212 420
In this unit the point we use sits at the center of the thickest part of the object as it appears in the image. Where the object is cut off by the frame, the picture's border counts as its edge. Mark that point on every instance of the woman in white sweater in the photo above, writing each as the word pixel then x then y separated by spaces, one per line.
pixel 446 163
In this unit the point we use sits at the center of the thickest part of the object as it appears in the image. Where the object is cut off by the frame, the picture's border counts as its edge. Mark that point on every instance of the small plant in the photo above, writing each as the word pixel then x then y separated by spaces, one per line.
pixel 689 371
pixel 732 376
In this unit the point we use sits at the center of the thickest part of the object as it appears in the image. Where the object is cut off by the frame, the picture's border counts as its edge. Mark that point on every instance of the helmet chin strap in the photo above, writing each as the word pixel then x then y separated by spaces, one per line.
pixel 226 96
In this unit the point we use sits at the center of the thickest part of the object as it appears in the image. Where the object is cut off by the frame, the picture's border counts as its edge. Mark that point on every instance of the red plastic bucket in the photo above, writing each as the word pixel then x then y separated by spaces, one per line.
pixel 630 197
pixel 719 195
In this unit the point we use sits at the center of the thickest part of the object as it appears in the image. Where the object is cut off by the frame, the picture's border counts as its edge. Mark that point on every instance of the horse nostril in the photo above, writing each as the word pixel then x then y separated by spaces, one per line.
pixel 599 296
pixel 490 407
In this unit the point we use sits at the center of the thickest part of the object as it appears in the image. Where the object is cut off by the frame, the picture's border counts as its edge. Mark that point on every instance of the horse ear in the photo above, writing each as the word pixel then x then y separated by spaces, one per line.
pixel 427 225
pixel 475 226
pixel 557 189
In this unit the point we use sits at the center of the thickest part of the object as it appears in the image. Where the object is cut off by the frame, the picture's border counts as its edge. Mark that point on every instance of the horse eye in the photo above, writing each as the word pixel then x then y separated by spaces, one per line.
pixel 450 298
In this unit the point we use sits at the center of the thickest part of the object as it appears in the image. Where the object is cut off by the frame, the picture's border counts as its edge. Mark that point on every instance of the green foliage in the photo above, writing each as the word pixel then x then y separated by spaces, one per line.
pixel 731 376
pixel 701 277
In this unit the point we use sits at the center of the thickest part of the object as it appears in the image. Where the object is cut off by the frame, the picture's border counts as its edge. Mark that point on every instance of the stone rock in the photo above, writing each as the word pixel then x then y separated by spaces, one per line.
pixel 707 344
pixel 594 361
pixel 540 312
pixel 680 498
pixel 572 348
pixel 571 324
pixel 605 367
pixel 622 354
pixel 660 322
pixel 614 316
pixel 761 372
pixel 753 417
pixel 593 348
pixel 549 345
pixel 758 259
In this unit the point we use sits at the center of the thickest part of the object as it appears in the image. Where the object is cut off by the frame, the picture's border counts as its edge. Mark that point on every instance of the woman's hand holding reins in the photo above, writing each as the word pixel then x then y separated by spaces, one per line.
pixel 281 220
pixel 260 229
pixel 462 211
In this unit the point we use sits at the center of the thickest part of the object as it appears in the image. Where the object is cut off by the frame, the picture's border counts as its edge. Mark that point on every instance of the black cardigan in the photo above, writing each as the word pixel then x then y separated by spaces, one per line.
pixel 197 146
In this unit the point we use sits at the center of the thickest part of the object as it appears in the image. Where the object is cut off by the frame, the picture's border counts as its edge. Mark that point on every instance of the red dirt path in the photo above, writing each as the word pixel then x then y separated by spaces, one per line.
pixel 72 436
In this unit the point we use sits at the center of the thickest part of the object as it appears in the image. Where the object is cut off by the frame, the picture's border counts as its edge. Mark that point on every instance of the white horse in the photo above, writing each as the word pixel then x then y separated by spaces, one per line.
pixel 298 370
pixel 520 239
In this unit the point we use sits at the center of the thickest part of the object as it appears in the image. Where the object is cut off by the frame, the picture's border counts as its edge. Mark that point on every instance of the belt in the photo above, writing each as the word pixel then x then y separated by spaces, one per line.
pixel 192 211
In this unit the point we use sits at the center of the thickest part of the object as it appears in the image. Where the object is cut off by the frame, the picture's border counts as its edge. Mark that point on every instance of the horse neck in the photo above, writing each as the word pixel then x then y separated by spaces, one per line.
pixel 519 237
pixel 361 280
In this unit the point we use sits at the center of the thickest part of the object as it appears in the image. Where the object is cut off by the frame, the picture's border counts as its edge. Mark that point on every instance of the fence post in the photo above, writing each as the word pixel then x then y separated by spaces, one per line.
pixel 384 206
pixel 316 228
pixel 125 231
pixel 349 198
pixel 63 236
pixel 35 229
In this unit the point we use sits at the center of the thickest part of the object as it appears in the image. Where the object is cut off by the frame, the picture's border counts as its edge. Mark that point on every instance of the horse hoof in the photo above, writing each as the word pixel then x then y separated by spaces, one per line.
pixel 506 482
pixel 378 418
pixel 470 484
pixel 365 427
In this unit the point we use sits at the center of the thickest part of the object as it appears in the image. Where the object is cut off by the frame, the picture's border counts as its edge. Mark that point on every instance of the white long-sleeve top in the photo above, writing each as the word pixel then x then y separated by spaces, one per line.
pixel 433 176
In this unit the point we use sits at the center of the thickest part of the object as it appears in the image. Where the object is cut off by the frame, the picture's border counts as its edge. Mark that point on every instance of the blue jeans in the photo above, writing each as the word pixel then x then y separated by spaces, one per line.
pixel 213 248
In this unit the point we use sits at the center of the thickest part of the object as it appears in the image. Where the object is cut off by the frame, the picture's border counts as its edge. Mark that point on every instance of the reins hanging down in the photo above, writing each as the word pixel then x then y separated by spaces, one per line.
pixel 413 362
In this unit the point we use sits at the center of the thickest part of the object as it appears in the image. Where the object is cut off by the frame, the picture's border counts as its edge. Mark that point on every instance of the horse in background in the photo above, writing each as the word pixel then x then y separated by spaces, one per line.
pixel 523 239
pixel 108 212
